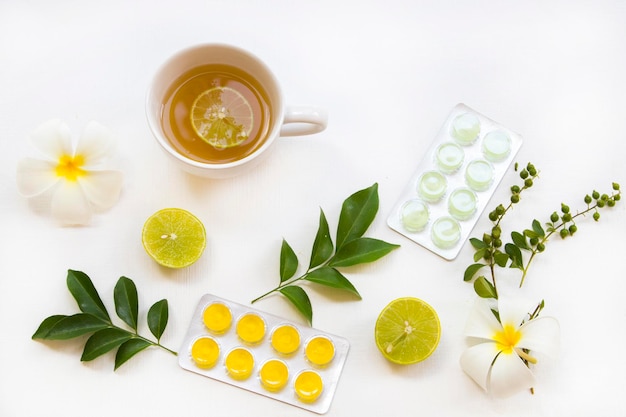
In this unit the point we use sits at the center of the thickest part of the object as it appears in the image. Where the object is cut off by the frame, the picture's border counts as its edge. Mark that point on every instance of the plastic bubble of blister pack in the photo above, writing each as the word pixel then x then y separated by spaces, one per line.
pixel 263 353
pixel 454 181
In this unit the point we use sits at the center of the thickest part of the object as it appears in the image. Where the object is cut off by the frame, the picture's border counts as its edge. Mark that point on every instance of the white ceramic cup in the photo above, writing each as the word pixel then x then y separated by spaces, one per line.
pixel 286 120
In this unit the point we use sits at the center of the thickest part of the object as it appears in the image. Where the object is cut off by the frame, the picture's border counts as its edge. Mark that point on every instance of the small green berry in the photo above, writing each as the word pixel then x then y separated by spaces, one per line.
pixel 515 198
pixel 616 186
pixel 523 174
pixel 528 182
pixel 515 189
pixel 493 216
pixel 541 247
pixel 611 203
pixel 554 217
pixel 497 243
pixel 486 238
pixel 533 241
pixel 500 210
pixel 601 203
pixel 564 208
pixel 604 197
pixel 595 195
pixel 564 233
pixel 496 232
pixel 567 217
pixel 573 229
pixel 531 169
pixel 596 216
pixel 617 197
pixel 588 199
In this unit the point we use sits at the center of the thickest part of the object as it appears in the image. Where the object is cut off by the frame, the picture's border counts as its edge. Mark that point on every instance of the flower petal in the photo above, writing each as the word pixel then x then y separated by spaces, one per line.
pixel 476 362
pixel 53 139
pixel 541 335
pixel 102 188
pixel 481 321
pixel 34 176
pixel 509 375
pixel 69 204
pixel 514 310
pixel 95 143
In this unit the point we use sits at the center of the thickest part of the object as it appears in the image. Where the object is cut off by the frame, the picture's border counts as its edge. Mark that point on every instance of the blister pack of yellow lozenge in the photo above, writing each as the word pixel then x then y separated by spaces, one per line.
pixel 263 353
pixel 454 181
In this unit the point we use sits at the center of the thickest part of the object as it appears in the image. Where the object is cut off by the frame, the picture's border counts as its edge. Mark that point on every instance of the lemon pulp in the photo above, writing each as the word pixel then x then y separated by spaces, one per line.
pixel 205 352
pixel 274 374
pixel 174 237
pixel 217 317
pixel 285 339
pixel 251 328
pixel 320 350
pixel 407 330
pixel 308 386
pixel 239 363
pixel 222 117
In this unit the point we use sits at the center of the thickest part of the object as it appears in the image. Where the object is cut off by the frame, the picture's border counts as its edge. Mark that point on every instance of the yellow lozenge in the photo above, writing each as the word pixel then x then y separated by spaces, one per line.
pixel 217 317
pixel 251 328
pixel 285 339
pixel 274 374
pixel 205 351
pixel 239 363
pixel 320 350
pixel 308 386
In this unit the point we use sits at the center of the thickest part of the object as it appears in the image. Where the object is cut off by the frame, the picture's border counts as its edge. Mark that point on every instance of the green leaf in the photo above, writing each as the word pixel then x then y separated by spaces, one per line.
pixel 330 277
pixel 484 288
pixel 85 294
pixel 126 303
pixel 288 262
pixel 357 214
pixel 129 349
pixel 323 244
pixel 158 316
pixel 103 341
pixel 531 233
pixel 519 240
pixel 477 243
pixel 515 254
pixel 538 229
pixel 471 271
pixel 300 300
pixel 361 250
pixel 501 259
pixel 67 327
pixel 479 254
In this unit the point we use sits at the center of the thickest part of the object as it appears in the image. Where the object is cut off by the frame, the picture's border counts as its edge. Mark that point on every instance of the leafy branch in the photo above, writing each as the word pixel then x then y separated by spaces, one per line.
pixel 532 241
pixel 94 319
pixel 357 214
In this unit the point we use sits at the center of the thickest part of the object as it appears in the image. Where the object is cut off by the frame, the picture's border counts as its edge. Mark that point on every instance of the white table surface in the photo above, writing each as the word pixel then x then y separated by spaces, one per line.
pixel 388 73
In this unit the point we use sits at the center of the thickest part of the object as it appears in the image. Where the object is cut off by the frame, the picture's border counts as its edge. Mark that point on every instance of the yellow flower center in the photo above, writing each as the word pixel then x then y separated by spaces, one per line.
pixel 507 338
pixel 70 167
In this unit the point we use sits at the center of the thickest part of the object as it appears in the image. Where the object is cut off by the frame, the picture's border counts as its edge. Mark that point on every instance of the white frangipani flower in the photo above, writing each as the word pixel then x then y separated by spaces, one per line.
pixel 498 362
pixel 75 176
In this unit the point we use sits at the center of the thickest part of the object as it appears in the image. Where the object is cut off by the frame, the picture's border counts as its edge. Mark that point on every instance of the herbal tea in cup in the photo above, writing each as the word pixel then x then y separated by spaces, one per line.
pixel 217 110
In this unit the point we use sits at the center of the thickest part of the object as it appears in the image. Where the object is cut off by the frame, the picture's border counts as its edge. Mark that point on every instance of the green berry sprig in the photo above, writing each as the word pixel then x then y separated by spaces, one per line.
pixel 489 250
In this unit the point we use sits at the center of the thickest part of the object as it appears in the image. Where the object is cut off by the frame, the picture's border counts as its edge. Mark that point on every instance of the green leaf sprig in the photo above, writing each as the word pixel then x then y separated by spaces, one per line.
pixel 352 248
pixel 530 242
pixel 94 319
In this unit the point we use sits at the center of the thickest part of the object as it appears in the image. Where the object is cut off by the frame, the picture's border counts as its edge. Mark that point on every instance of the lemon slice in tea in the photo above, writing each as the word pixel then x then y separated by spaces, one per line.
pixel 174 237
pixel 222 117
pixel 407 331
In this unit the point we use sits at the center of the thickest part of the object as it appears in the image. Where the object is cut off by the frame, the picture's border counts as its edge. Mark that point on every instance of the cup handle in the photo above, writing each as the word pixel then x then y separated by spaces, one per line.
pixel 303 120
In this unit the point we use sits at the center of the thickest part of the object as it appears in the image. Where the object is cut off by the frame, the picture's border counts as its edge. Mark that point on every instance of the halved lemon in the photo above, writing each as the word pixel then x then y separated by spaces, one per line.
pixel 174 237
pixel 222 117
pixel 407 331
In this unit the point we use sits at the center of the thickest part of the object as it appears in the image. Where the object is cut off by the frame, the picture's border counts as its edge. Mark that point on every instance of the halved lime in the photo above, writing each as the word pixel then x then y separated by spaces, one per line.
pixel 407 331
pixel 222 117
pixel 174 237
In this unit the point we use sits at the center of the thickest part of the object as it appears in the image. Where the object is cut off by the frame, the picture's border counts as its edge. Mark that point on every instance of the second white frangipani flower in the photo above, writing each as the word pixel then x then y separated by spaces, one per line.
pixel 500 360
pixel 75 175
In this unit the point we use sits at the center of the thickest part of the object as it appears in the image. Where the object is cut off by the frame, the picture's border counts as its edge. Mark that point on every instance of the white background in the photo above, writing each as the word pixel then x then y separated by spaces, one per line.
pixel 388 73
